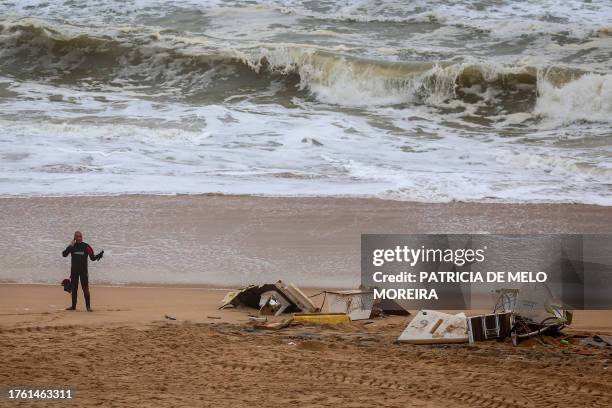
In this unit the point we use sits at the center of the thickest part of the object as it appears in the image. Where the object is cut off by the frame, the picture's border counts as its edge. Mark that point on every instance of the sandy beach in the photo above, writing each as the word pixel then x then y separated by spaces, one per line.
pixel 127 354
pixel 188 248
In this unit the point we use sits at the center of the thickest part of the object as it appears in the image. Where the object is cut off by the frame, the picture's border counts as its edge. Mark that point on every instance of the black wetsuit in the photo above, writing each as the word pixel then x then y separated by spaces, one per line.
pixel 80 251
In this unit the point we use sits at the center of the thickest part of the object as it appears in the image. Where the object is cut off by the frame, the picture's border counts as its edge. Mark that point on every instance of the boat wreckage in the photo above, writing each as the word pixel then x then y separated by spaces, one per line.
pixel 270 299
pixel 278 298
pixel 518 314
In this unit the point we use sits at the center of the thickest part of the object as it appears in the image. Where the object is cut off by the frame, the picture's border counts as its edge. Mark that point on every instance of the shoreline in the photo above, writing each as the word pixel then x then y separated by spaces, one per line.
pixel 300 196
pixel 230 241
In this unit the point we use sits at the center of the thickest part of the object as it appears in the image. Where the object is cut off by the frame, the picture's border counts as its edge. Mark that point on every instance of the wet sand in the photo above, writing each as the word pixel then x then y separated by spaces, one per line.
pixel 231 240
pixel 127 354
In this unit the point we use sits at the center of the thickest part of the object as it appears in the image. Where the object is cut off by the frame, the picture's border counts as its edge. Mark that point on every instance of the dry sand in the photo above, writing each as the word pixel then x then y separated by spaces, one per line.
pixel 126 354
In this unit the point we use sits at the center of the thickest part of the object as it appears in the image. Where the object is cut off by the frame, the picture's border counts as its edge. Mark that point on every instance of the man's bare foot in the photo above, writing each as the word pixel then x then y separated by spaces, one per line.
pixel 89 309
pixel 71 308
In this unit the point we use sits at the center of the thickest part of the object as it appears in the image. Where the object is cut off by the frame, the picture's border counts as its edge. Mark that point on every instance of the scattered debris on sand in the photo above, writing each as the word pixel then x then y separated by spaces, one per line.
pixel 270 299
pixel 321 318
pixel 357 304
pixel 598 340
pixel 517 314
pixel 274 325
pixel 433 327
pixel 489 326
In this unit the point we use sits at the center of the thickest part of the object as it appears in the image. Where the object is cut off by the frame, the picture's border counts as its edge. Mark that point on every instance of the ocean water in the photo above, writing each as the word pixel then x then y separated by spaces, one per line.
pixel 489 100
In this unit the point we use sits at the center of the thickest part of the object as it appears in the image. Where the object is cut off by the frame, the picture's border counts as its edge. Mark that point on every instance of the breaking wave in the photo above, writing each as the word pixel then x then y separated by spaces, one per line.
pixel 588 98
pixel 200 69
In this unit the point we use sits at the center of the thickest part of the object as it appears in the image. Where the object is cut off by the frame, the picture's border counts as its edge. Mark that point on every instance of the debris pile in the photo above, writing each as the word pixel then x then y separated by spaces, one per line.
pixel 270 299
pixel 274 299
pixel 518 314
pixel 359 304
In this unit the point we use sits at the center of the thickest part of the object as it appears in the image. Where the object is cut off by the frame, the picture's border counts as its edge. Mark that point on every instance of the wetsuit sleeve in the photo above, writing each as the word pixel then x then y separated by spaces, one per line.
pixel 90 252
pixel 67 251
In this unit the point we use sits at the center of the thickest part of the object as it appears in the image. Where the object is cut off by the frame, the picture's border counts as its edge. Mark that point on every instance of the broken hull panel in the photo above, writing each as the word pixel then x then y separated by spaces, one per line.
pixel 433 327
pixel 355 303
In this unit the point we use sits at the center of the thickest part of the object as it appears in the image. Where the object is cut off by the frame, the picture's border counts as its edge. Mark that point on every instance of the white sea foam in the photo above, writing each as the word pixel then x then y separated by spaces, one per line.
pixel 431 101
pixel 588 98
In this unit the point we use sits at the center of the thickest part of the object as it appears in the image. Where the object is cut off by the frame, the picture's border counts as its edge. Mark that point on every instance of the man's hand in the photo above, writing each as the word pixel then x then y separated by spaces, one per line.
pixel 72 243
pixel 99 256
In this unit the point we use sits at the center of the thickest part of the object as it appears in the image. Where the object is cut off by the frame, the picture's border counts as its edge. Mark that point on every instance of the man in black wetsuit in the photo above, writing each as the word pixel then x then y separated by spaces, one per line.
pixel 80 251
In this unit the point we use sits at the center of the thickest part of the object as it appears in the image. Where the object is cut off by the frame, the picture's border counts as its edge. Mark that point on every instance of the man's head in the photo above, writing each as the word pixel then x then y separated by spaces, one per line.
pixel 78 237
